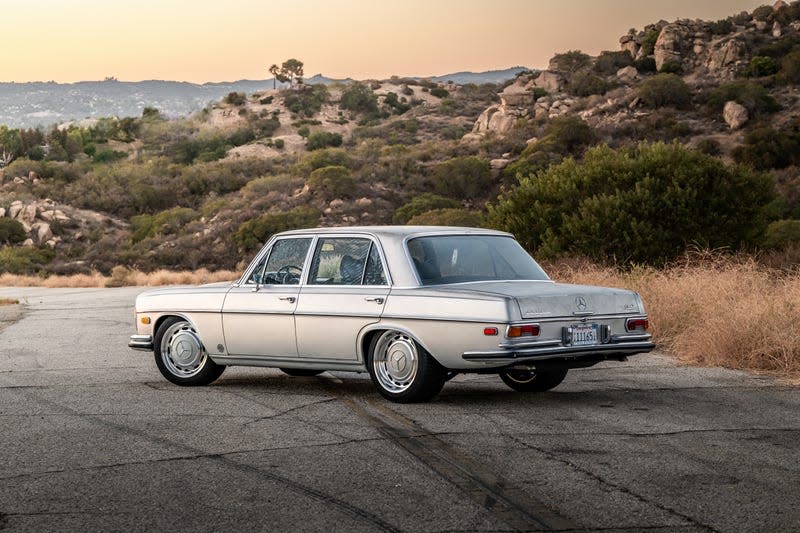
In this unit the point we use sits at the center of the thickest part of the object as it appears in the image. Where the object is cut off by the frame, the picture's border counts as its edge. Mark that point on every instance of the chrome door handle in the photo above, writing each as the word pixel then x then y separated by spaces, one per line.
pixel 290 299
pixel 377 300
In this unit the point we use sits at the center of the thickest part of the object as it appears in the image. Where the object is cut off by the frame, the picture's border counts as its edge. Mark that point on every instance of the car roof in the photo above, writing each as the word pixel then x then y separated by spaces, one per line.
pixel 396 231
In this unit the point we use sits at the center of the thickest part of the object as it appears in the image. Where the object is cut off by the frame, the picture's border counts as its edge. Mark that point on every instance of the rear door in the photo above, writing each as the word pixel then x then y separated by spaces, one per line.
pixel 346 290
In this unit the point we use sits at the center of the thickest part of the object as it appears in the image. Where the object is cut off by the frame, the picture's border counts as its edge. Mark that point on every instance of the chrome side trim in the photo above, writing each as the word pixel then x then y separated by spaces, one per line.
pixel 576 352
pixel 630 338
pixel 288 362
pixel 141 342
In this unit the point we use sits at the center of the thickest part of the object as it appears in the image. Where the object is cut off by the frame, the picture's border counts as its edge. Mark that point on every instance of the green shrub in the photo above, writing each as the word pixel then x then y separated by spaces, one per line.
pixel 306 102
pixel 760 66
pixel 642 204
pixel 252 234
pixel 610 62
pixel 585 84
pixel 279 144
pixel 325 158
pixel 538 92
pixel 709 146
pixel 671 67
pixel 751 95
pixel 166 222
pixel 448 217
pixel 790 68
pixel 25 259
pixel 781 234
pixel 563 136
pixel 762 13
pixel 571 61
pixel 663 90
pixel 779 48
pixel 234 98
pixel 332 182
pixel 766 148
pixel 109 156
pixel 421 204
pixel 266 100
pixel 646 64
pixel 359 98
pixel 323 139
pixel 649 42
pixel 11 231
pixel 462 177
pixel 440 92
pixel 721 27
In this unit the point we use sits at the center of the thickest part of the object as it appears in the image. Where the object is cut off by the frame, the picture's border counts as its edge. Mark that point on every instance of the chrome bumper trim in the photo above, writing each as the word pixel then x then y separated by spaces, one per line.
pixel 141 342
pixel 570 352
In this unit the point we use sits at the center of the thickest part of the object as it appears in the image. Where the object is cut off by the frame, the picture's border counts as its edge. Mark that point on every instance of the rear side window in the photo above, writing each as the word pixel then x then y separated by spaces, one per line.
pixel 346 261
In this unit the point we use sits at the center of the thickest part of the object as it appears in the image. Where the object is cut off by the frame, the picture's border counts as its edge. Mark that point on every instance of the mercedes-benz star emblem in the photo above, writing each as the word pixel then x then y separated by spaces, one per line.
pixel 580 303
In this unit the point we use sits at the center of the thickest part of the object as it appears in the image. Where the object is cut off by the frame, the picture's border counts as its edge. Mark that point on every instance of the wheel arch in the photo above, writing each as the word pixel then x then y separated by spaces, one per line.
pixel 162 318
pixel 370 332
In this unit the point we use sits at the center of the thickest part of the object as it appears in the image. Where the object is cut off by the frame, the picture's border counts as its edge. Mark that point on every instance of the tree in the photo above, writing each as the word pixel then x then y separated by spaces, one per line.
pixel 10 145
pixel 292 69
pixel 275 71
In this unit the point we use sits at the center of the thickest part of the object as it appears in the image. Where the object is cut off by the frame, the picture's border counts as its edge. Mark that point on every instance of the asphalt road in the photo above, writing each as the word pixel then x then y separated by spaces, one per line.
pixel 92 438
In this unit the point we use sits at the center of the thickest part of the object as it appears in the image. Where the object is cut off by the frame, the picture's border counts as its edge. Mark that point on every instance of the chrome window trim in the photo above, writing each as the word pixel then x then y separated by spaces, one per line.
pixel 267 249
pixel 374 240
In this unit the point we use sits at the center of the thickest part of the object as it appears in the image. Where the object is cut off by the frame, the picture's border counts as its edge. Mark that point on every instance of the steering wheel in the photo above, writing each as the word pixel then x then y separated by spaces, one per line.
pixel 285 275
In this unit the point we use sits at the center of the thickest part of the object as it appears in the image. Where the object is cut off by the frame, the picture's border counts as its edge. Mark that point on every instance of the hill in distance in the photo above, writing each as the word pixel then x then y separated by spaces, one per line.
pixel 27 105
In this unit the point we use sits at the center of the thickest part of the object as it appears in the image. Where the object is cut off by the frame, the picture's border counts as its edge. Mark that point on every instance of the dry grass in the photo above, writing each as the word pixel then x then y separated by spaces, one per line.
pixel 713 310
pixel 8 301
pixel 120 277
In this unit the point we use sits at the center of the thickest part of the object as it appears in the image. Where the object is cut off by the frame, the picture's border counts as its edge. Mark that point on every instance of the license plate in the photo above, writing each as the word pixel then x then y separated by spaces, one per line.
pixel 585 335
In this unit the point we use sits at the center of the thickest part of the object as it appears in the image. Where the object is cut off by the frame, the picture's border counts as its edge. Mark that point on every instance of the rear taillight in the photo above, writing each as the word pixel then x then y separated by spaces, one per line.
pixel 525 330
pixel 637 324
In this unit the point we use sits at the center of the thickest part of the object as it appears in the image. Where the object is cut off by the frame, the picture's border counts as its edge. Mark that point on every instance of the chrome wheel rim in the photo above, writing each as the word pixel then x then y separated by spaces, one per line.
pixel 395 361
pixel 181 351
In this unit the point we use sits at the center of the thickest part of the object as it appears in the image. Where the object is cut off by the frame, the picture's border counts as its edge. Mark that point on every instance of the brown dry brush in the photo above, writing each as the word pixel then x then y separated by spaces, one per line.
pixel 713 309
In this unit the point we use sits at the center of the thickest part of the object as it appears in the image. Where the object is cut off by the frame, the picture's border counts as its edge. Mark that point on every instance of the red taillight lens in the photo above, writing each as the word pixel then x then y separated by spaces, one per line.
pixel 526 330
pixel 634 324
pixel 490 332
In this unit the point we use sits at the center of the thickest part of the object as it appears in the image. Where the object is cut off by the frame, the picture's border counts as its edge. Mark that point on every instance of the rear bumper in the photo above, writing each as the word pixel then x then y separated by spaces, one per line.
pixel 564 354
pixel 141 342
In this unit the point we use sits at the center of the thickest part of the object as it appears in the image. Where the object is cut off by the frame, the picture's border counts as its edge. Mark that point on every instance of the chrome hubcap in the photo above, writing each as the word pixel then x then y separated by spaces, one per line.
pixel 181 350
pixel 395 361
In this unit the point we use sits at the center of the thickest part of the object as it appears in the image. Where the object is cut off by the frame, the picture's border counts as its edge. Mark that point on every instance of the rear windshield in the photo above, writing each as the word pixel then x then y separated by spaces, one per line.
pixel 462 258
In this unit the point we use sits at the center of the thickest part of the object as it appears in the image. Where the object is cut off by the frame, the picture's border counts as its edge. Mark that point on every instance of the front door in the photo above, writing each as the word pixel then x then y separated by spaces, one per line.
pixel 258 316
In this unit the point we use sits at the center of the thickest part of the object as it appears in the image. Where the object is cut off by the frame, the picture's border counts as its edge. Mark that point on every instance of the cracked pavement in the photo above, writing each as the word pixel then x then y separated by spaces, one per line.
pixel 94 439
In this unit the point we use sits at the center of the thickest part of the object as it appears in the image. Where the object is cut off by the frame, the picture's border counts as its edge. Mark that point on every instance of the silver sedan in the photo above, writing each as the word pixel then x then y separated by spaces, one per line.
pixel 413 306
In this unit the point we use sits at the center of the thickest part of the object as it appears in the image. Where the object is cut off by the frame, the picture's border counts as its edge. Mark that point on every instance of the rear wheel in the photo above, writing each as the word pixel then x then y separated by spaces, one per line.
pixel 301 372
pixel 530 381
pixel 402 370
pixel 180 355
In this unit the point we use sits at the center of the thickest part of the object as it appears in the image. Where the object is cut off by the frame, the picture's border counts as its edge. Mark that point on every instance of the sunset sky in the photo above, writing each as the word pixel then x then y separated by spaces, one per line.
pixel 225 40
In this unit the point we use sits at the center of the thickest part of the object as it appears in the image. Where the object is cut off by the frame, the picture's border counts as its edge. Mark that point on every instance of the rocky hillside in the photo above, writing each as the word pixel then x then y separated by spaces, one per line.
pixel 152 192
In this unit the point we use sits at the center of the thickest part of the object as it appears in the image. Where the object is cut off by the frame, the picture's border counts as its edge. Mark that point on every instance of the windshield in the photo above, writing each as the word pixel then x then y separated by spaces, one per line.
pixel 461 258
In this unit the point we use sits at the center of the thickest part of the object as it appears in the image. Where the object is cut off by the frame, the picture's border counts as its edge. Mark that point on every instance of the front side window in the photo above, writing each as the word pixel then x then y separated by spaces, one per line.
pixel 463 258
pixel 346 261
pixel 284 263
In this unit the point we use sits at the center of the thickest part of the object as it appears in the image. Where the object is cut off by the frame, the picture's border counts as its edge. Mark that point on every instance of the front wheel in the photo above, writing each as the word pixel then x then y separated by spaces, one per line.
pixel 180 355
pixel 402 370
pixel 530 381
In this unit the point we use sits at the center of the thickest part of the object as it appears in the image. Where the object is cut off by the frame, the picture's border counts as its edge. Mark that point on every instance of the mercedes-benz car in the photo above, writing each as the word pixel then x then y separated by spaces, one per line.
pixel 412 306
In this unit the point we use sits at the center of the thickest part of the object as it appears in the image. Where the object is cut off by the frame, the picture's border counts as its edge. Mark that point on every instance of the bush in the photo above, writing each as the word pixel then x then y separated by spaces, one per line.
pixel 109 156
pixel 751 95
pixel 306 102
pixel 279 144
pixel 463 177
pixel 563 136
pixel 11 231
pixel 709 146
pixel 721 27
pixel 332 182
pixel 663 90
pixel 585 84
pixel 359 98
pixel 790 68
pixel 649 42
pixel 610 62
pixel 570 62
pixel 766 148
pixel 448 217
pixel 164 223
pixel 325 158
pixel 539 92
pixel 644 204
pixel 762 13
pixel 252 234
pixel 439 92
pixel 646 64
pixel 760 66
pixel 782 234
pixel 421 204
pixel 234 98
pixel 671 67
pixel 323 139
pixel 24 260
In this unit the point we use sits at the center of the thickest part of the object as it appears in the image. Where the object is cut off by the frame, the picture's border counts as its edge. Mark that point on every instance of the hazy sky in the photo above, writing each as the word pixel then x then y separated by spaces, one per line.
pixel 224 40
